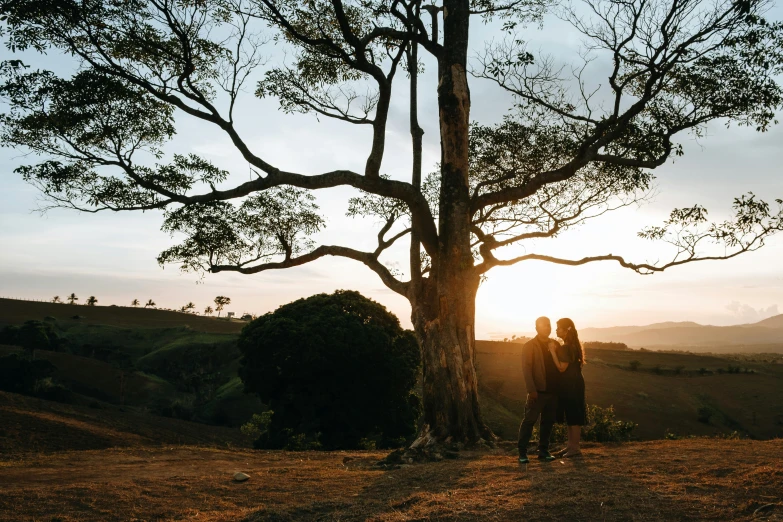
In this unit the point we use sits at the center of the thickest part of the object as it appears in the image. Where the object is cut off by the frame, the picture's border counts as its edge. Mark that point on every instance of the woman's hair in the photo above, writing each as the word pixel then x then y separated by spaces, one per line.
pixel 571 339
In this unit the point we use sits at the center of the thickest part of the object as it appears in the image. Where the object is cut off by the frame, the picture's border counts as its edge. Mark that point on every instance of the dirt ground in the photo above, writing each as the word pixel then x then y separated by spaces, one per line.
pixel 697 479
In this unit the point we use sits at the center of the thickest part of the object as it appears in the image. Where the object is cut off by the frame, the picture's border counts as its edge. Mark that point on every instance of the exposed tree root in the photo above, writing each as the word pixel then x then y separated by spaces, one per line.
pixel 429 448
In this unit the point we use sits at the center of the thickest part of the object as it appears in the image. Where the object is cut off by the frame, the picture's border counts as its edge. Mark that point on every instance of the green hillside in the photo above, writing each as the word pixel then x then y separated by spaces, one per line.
pixel 166 363
pixel 678 393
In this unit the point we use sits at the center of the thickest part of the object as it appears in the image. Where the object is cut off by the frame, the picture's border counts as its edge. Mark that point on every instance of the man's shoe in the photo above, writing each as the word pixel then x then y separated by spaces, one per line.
pixel 523 459
pixel 546 456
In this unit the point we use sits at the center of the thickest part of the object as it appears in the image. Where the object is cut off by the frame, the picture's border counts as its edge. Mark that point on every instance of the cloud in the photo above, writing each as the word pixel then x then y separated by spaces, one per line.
pixel 747 313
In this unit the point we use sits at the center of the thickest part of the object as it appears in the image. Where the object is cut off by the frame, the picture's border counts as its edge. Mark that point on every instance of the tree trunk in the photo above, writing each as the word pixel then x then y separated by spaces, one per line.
pixel 445 329
pixel 444 310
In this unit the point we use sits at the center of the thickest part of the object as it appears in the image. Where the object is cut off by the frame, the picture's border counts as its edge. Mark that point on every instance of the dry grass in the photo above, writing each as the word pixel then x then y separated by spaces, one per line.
pixel 699 479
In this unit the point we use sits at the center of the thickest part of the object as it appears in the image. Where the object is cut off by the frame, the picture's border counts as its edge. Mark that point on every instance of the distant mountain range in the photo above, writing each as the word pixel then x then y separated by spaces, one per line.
pixel 690 334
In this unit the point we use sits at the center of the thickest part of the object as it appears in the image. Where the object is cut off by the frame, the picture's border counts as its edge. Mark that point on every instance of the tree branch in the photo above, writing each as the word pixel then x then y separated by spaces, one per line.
pixel 368 258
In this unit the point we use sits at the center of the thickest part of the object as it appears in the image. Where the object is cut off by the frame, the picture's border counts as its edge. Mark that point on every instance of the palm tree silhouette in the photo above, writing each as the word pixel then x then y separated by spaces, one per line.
pixel 208 310
pixel 135 302
pixel 150 303
pixel 188 307
pixel 92 301
pixel 72 298
pixel 56 299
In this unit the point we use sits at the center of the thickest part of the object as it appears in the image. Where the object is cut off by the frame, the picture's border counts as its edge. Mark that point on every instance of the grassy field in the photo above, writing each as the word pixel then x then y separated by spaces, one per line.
pixel 659 403
pixel 102 381
pixel 13 311
pixel 152 360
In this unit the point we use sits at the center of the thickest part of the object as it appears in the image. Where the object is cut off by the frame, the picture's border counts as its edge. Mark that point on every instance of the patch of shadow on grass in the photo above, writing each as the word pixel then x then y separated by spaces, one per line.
pixel 400 490
pixel 316 512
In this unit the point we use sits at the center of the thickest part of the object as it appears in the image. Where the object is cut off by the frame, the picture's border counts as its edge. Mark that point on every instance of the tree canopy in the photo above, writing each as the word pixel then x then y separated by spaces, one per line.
pixel 564 154
pixel 334 369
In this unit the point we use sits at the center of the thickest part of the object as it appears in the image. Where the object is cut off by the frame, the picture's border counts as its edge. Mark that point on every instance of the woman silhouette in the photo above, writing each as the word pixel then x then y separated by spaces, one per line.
pixel 571 405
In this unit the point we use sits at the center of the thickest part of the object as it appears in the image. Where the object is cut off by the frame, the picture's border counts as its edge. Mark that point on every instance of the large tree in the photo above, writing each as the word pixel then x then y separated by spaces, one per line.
pixel 568 151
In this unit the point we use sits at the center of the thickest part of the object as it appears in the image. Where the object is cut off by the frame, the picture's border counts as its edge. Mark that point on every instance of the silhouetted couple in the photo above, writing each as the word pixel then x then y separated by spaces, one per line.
pixel 555 388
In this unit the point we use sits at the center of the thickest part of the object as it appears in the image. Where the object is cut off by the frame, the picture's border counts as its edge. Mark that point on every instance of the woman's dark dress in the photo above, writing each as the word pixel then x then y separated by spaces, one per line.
pixel 571 404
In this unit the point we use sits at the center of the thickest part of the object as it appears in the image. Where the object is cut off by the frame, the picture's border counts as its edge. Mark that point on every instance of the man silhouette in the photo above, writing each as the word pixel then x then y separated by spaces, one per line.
pixel 541 375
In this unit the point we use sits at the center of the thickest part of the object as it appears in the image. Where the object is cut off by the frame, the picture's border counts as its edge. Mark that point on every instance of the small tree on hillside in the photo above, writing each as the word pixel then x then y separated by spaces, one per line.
pixel 149 303
pixel 208 310
pixel 72 299
pixel 32 335
pixel 221 302
pixel 92 301
pixel 135 303
pixel 189 307
pixel 56 299
pixel 334 369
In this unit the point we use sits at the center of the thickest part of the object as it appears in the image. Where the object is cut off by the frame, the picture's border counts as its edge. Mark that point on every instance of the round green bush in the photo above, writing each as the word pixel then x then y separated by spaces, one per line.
pixel 337 371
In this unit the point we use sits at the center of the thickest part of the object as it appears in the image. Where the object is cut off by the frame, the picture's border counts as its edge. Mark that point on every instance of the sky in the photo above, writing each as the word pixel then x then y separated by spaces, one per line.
pixel 113 255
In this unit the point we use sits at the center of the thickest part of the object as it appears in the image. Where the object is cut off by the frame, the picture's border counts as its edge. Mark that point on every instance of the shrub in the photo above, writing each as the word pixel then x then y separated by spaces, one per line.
pixel 179 409
pixel 19 375
pixel 52 391
pixel 734 435
pixel 301 442
pixel 257 426
pixel 602 426
pixel 559 433
pixel 634 365
pixel 335 369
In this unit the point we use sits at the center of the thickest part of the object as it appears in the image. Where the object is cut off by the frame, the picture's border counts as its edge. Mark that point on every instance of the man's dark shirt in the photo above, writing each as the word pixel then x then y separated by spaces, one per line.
pixel 552 373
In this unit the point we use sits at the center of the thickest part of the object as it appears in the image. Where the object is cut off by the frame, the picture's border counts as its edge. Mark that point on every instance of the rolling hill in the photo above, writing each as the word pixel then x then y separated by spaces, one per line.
pixel 771 322
pixel 667 394
pixel 169 363
pixel 13 311
pixel 695 336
